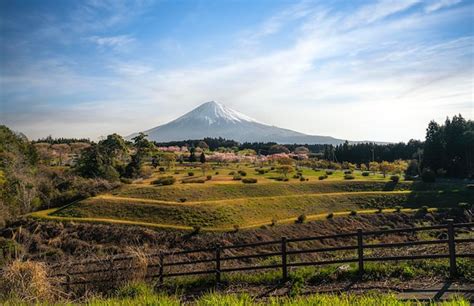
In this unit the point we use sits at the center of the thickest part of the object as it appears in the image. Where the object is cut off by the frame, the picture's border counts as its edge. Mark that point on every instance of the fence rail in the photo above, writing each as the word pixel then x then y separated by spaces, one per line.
pixel 216 256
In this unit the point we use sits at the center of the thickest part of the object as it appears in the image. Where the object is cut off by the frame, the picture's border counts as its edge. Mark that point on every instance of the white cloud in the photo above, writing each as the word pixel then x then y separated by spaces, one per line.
pixel 115 42
pixel 435 5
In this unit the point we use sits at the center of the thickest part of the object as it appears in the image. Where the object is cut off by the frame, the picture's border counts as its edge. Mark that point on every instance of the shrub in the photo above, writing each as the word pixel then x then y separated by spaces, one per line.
pixel 249 180
pixel 353 213
pixel 217 173
pixel 347 172
pixel 209 177
pixel 194 181
pixel 301 218
pixel 165 180
pixel 365 173
pixel 272 168
pixel 182 200
pixel 302 179
pixel 261 171
pixel 329 172
pixel 464 206
pixel 398 208
pixel 296 176
pixel 330 215
pixel 349 177
pixel 126 180
pixel 236 228
pixel 428 176
pixel 322 177
pixel 190 173
pixel 196 229
pixel 274 222
pixel 232 173
pixel 161 169
pixel 176 172
pixel 423 209
pixel 394 178
pixel 242 173
pixel 237 178
pixel 379 209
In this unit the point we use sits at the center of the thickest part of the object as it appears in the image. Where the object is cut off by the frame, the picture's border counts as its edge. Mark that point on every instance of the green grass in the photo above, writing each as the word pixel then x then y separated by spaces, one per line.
pixel 210 192
pixel 254 210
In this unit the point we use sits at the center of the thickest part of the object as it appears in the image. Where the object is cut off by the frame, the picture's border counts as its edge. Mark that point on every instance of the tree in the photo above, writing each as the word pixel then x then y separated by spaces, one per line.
pixel 374 166
pixel 142 147
pixel 168 158
pixel 202 158
pixel 275 149
pixel 385 167
pixel 192 155
pixel 301 150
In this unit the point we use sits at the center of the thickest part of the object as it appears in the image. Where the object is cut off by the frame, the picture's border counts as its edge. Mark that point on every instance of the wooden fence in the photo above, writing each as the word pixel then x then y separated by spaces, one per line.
pixel 215 257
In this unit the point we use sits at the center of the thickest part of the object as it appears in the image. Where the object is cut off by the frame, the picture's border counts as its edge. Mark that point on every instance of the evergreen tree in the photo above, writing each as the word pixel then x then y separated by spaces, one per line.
pixel 202 158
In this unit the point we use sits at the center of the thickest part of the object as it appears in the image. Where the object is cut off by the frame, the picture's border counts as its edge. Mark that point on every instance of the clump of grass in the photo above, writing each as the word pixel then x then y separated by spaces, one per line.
pixel 190 173
pixel 301 218
pixel 394 178
pixel 322 177
pixel 330 215
pixel 398 208
pixel 274 222
pixel 349 177
pixel 249 180
pixel 164 181
pixel 353 213
pixel 26 281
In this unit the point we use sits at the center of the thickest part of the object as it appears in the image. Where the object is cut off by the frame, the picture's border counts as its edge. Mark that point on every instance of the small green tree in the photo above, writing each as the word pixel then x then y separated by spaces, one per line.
pixel 202 158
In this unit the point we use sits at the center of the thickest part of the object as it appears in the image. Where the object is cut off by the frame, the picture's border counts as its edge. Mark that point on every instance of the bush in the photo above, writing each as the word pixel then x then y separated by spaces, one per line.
pixel 365 173
pixel 322 177
pixel 428 176
pixel 165 180
pixel 272 168
pixel 161 169
pixel 329 172
pixel 330 215
pixel 248 180
pixel 182 200
pixel 353 213
pixel 236 228
pixel 196 229
pixel 232 173
pixel 296 176
pixel 395 178
pixel 237 178
pixel 301 218
pixel 423 209
pixel 242 173
pixel 274 222
pixel 190 173
pixel 282 179
pixel 194 181
pixel 261 171
pixel 398 208
pixel 349 177
pixel 347 172
pixel 217 173
pixel 302 179
pixel 126 180
pixel 176 172
pixel 209 177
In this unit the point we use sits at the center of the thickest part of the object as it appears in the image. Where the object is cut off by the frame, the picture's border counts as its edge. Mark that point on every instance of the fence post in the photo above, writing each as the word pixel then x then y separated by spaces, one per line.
pixel 218 263
pixel 284 260
pixel 452 250
pixel 360 252
pixel 162 260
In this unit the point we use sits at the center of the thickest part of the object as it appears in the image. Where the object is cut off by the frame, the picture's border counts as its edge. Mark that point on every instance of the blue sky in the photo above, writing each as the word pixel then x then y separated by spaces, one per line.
pixel 378 70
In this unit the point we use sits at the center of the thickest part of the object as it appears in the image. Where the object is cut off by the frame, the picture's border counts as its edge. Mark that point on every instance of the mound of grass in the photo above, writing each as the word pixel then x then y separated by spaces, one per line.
pixel 235 191
pixel 248 211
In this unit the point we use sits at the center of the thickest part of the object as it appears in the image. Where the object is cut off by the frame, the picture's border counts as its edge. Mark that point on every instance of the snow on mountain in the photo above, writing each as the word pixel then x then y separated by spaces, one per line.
pixel 213 119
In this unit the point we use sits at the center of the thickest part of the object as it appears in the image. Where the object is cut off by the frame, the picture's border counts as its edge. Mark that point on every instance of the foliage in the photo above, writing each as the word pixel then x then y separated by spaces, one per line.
pixel 395 178
pixel 163 181
pixel 249 180
pixel 428 176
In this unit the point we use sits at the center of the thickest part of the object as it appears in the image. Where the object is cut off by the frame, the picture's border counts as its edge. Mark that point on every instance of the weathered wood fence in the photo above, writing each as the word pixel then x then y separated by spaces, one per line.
pixel 215 257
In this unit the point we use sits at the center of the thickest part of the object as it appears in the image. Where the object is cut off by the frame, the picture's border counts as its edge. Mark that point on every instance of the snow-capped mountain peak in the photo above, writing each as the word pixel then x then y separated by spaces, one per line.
pixel 213 112
pixel 213 119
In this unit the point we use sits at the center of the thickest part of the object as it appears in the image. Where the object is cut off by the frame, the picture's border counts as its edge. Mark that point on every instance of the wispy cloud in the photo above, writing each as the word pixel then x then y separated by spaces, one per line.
pixel 342 72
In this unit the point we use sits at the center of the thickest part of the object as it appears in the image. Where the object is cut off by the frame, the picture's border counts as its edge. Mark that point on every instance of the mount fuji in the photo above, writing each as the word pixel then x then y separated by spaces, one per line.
pixel 213 119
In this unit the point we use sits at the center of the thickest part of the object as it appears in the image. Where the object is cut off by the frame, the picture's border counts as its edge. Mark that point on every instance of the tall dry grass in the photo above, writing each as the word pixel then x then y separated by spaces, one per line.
pixel 26 281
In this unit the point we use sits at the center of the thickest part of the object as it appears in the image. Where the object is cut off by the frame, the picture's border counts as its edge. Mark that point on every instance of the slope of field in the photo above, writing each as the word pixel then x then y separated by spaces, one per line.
pixel 210 192
pixel 247 211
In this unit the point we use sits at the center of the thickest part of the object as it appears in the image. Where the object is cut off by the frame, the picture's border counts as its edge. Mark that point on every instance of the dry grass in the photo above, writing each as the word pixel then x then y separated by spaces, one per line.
pixel 26 281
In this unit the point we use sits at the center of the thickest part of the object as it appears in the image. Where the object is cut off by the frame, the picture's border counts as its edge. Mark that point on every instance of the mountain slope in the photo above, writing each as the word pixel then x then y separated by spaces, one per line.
pixel 213 119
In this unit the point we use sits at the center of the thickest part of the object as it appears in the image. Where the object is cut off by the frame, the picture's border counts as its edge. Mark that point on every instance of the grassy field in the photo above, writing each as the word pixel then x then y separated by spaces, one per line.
pixel 222 203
